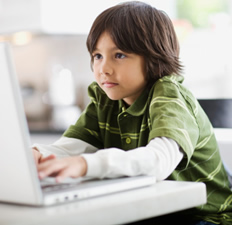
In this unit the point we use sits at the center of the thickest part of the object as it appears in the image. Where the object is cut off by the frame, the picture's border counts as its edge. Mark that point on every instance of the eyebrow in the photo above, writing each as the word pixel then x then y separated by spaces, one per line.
pixel 112 49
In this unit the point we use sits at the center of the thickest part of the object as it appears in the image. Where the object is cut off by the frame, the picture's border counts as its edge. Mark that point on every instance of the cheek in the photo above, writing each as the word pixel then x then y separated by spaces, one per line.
pixel 95 71
pixel 97 77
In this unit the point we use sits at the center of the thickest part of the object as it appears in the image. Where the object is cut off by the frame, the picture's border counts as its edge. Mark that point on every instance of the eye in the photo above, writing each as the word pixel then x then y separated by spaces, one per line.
pixel 97 56
pixel 120 56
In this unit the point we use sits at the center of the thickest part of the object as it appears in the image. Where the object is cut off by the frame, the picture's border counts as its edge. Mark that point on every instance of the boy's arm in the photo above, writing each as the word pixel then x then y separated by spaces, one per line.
pixel 159 158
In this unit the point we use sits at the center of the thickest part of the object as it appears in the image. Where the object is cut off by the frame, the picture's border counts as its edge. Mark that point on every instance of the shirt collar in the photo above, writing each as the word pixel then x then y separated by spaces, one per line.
pixel 138 107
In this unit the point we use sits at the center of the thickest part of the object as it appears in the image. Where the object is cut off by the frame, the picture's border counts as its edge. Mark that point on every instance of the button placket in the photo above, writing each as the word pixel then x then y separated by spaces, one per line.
pixel 124 124
pixel 128 140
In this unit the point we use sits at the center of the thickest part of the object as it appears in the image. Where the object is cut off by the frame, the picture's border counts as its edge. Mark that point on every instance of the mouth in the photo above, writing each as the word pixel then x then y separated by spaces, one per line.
pixel 109 84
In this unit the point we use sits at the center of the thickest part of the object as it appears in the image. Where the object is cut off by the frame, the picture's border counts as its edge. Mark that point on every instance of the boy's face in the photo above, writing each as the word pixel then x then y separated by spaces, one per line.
pixel 121 75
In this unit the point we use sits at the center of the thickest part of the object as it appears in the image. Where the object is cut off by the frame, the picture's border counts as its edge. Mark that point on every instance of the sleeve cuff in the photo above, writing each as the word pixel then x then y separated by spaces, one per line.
pixel 95 165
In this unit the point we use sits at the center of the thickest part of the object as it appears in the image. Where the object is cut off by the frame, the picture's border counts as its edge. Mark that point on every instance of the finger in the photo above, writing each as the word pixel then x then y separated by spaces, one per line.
pixel 75 168
pixel 37 155
pixel 49 170
pixel 50 167
pixel 67 172
pixel 50 157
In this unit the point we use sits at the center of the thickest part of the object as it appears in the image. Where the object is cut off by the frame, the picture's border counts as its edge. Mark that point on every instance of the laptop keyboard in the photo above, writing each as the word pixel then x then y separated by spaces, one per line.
pixel 57 187
pixel 49 184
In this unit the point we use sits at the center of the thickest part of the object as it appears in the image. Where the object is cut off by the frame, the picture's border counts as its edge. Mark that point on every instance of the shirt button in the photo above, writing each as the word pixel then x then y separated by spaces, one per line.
pixel 128 140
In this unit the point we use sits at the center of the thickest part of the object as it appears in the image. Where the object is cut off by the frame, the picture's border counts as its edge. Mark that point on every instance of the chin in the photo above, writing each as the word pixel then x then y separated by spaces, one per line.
pixel 114 98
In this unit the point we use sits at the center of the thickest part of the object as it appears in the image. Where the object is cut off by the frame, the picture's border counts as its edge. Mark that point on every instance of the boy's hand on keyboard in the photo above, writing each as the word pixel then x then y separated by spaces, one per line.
pixel 38 157
pixel 74 167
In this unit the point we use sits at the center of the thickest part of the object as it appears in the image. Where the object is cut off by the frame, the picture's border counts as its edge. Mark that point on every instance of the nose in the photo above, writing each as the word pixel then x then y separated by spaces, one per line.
pixel 106 67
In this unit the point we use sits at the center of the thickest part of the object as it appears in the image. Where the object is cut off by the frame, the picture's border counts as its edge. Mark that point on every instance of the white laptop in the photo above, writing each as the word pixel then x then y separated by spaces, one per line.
pixel 18 175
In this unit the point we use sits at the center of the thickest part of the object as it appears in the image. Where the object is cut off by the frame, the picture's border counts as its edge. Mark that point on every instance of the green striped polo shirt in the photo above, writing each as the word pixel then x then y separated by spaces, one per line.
pixel 168 109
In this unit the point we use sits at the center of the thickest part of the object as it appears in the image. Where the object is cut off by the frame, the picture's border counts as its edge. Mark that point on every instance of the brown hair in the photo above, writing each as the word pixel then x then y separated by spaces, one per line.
pixel 136 27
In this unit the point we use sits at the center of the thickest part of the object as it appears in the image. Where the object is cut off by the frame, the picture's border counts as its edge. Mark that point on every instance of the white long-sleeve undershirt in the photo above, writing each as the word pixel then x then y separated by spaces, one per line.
pixel 159 158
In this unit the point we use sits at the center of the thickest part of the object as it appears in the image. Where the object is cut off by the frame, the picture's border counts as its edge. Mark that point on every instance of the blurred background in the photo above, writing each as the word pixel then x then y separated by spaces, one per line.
pixel 53 66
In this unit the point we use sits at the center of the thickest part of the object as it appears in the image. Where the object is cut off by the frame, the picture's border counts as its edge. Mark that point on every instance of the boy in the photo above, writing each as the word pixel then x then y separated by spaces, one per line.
pixel 141 119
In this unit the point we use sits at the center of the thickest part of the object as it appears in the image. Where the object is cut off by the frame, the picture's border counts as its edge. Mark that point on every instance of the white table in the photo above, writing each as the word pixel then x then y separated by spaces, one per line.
pixel 224 138
pixel 120 208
